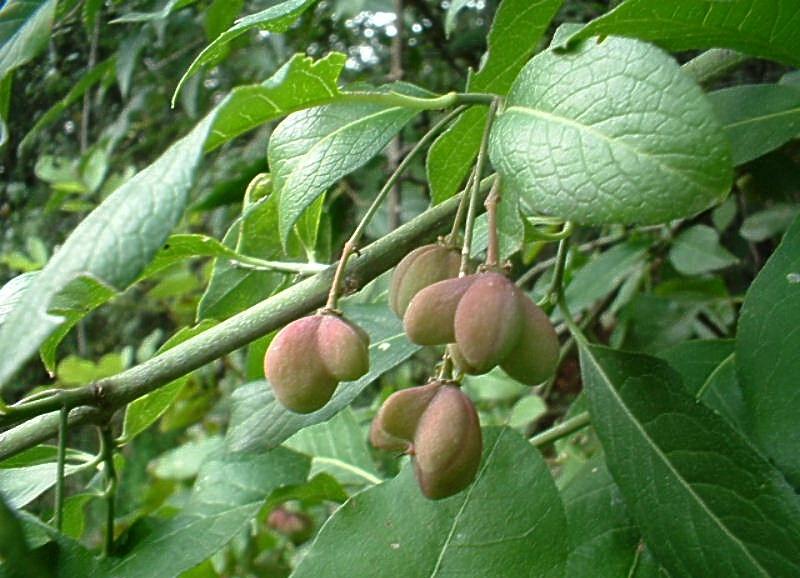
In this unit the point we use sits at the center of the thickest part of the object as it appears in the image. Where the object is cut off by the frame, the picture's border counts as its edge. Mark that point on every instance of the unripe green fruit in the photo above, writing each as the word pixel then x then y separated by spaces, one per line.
pixel 430 317
pixel 310 356
pixel 396 422
pixel 422 267
pixel 488 321
pixel 535 356
pixel 447 444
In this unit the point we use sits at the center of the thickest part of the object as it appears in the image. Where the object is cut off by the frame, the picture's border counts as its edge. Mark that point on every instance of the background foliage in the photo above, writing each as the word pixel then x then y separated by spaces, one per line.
pixel 136 217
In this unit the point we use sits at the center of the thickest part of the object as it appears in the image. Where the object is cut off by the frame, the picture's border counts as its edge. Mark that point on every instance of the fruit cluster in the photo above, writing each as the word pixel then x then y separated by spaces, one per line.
pixel 482 318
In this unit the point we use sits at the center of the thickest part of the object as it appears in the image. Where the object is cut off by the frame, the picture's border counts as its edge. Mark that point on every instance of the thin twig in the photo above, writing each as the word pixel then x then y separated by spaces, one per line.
pixel 493 246
pixel 561 430
pixel 107 451
pixel 63 426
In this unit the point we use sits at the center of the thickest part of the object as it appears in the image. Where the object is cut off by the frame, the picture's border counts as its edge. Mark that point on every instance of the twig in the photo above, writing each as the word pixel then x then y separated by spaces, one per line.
pixel 63 425
pixel 107 451
pixel 493 246
pixel 561 430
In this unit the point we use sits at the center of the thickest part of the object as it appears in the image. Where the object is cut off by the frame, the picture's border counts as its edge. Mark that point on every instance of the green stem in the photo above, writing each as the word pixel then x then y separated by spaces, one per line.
pixel 107 451
pixel 435 103
pixel 556 286
pixel 458 220
pixel 351 246
pixel 256 264
pixel 547 263
pixel 472 212
pixel 493 246
pixel 63 425
pixel 561 430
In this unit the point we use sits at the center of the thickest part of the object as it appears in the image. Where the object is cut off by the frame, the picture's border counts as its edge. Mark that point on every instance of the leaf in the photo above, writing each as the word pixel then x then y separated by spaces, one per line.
pixel 312 149
pixel 259 421
pixel 87 81
pixel 183 246
pixel 767 361
pixel 697 250
pixel 276 18
pixel 227 495
pixel 604 541
pixel 14 550
pixel 604 274
pixel 509 523
pixel 11 293
pixel 613 132
pixel 144 210
pixel 516 32
pixel 771 221
pixel 20 486
pixel 684 473
pixel 24 30
pixel 184 462
pixel 764 28
pixel 758 118
pixel 338 447
pixel 144 411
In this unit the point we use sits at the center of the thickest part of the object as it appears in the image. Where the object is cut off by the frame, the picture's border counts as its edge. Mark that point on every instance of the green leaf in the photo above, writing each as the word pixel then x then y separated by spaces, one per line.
pixel 312 149
pixel 604 274
pixel 697 250
pixel 145 209
pixel 20 486
pixel 87 81
pixel 768 223
pixel 758 118
pixel 220 15
pixel 184 246
pixel 516 32
pixel 14 550
pixel 337 447
pixel 604 541
pixel 24 31
pixel 764 28
pixel 259 421
pixel 613 132
pixel 144 411
pixel 510 522
pixel 183 462
pixel 227 495
pixel 684 473
pixel 767 360
pixel 12 292
pixel 276 18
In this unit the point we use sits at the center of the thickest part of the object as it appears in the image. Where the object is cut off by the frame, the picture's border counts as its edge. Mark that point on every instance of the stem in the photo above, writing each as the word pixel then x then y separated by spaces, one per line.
pixel 493 247
pixel 556 286
pixel 107 451
pixel 351 246
pixel 547 263
pixel 561 430
pixel 466 250
pixel 63 424
pixel 395 151
pixel 403 100
pixel 256 264
pixel 462 211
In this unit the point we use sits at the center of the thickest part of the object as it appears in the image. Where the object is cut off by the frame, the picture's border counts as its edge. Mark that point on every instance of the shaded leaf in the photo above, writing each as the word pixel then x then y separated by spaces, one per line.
pixel 503 525
pixel 698 250
pixel 684 473
pixel 767 359
pixel 24 30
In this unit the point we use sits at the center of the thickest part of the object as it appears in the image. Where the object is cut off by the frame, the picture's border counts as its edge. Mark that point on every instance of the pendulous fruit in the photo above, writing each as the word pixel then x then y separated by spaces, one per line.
pixel 488 321
pixel 310 356
pixel 447 444
pixel 422 267
pixel 534 358
pixel 430 317
pixel 396 422
pixel 438 426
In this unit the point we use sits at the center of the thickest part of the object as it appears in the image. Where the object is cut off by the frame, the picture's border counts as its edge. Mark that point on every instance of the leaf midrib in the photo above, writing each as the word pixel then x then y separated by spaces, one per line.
pixel 660 455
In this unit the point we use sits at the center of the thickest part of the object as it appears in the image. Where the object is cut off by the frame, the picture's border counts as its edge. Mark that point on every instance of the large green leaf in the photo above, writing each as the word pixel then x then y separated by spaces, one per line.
pixel 516 32
pixel 758 118
pixel 20 486
pixel 766 28
pixel 767 359
pixel 337 447
pixel 259 421
pixel 613 132
pixel 17 559
pixel 706 502
pixel 227 495
pixel 312 149
pixel 604 541
pixel 24 30
pixel 276 18
pixel 119 238
pixel 510 522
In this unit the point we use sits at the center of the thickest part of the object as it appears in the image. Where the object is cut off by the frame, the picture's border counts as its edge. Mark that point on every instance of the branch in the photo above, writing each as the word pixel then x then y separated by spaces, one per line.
pixel 112 393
